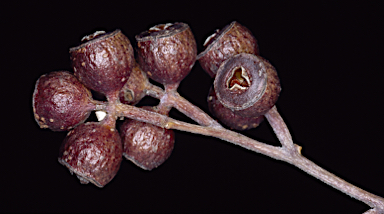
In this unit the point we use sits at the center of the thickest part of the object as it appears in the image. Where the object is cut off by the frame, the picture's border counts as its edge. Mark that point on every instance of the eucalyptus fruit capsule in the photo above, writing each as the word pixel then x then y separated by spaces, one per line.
pixel 229 117
pixel 146 145
pixel 60 102
pixel 93 152
pixel 104 62
pixel 247 84
pixel 233 39
pixel 167 52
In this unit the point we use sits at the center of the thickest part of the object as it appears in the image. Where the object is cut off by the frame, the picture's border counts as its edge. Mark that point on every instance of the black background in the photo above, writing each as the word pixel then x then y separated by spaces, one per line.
pixel 329 58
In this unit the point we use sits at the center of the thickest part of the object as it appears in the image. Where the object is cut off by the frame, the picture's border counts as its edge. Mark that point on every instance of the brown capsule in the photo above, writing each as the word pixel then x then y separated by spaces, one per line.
pixel 231 40
pixel 146 145
pixel 104 62
pixel 93 152
pixel 134 89
pixel 247 84
pixel 229 117
pixel 167 52
pixel 60 101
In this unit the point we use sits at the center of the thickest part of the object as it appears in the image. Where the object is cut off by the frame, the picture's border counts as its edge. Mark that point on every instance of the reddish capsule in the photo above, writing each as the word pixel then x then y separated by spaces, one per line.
pixel 93 152
pixel 247 84
pixel 220 46
pixel 60 101
pixel 146 145
pixel 229 117
pixel 135 88
pixel 167 52
pixel 104 62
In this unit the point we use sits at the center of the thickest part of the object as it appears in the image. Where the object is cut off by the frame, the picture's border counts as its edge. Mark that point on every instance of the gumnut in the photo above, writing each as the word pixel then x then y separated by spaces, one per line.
pixel 247 84
pixel 103 63
pixel 146 145
pixel 135 88
pixel 93 152
pixel 229 117
pixel 60 101
pixel 233 39
pixel 167 52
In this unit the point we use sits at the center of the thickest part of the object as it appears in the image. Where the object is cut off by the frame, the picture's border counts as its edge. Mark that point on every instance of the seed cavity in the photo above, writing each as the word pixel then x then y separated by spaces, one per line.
pixel 239 79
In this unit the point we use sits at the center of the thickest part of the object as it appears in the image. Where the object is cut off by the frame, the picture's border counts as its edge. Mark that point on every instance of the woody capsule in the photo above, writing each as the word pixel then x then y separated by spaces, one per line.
pixel 167 52
pixel 104 61
pixel 247 84
pixel 232 39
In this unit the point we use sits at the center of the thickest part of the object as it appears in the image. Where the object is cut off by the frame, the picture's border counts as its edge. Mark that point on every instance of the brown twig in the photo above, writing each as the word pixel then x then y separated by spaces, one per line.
pixel 184 106
pixel 289 152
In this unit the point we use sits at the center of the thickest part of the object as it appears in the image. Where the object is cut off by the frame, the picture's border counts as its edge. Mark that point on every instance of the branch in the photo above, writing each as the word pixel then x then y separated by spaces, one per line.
pixel 296 159
pixel 218 132
pixel 280 129
pixel 289 152
pixel 181 104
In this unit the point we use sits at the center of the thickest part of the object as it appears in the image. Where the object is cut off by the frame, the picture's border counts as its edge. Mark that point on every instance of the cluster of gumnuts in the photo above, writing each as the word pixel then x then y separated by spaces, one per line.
pixel 245 87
